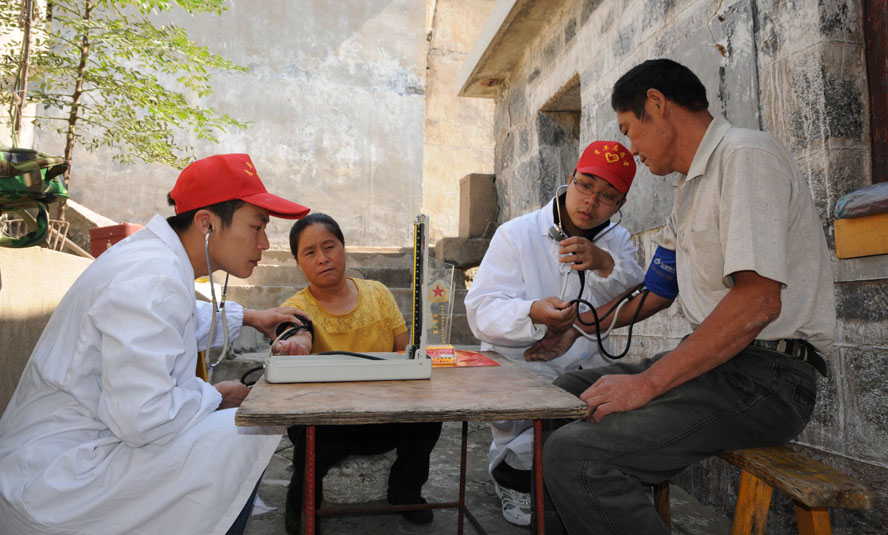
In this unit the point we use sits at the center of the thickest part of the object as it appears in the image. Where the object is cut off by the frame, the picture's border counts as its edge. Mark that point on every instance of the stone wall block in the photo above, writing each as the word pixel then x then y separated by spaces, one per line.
pixel 549 173
pixel 867 413
pixel 588 7
pixel 570 31
pixel 526 184
pixel 523 141
pixel 508 154
pixel 840 20
pixel 517 105
pixel 844 92
pixel 826 427
pixel 553 129
pixel 861 333
pixel 670 36
pixel 552 49
pixel 862 301
pixel 768 36
pixel 655 12
pixel 504 188
pixel 849 170
pixel 805 113
pixel 787 28
pixel 625 40
pixel 477 206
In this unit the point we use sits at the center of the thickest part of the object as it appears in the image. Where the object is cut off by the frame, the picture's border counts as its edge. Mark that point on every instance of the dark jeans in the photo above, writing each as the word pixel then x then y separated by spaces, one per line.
pixel 414 443
pixel 594 473
pixel 240 523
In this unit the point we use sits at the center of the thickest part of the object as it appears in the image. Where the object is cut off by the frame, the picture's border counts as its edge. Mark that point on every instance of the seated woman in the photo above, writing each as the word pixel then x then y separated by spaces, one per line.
pixel 353 315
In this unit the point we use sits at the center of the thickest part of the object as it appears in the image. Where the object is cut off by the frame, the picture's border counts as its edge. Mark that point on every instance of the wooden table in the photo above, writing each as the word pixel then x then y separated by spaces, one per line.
pixel 505 392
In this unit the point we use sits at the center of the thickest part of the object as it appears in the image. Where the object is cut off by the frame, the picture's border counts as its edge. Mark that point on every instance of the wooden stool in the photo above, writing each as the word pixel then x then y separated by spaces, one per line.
pixel 813 486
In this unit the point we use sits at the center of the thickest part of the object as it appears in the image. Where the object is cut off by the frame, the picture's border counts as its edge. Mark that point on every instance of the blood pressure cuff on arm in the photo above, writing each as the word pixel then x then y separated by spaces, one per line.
pixel 661 276
pixel 291 328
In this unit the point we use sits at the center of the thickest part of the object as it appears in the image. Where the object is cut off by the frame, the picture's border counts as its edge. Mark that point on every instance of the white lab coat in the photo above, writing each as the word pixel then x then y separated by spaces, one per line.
pixel 109 431
pixel 521 266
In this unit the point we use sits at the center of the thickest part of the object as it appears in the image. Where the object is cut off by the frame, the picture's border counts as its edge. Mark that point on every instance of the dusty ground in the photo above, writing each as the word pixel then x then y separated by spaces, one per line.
pixel 689 516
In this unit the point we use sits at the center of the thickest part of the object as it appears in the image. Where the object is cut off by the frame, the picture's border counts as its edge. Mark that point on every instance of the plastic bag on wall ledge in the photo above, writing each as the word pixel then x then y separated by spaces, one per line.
pixel 870 200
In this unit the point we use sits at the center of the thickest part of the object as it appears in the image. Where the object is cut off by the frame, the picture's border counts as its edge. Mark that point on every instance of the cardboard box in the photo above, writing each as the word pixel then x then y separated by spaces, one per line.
pixel 101 238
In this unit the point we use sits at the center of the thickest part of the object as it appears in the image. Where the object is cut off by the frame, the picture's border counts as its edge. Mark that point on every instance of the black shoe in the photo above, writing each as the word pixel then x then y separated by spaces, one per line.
pixel 420 516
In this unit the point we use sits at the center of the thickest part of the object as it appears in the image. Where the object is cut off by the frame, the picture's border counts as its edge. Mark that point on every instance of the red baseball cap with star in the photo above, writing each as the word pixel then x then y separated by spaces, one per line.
pixel 611 161
pixel 225 177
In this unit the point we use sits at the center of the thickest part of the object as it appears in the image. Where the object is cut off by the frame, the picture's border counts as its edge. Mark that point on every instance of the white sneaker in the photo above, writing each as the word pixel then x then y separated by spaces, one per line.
pixel 516 505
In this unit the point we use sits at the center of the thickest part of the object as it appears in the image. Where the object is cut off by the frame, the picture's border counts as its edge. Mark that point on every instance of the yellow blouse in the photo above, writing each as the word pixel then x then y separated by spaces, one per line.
pixel 371 326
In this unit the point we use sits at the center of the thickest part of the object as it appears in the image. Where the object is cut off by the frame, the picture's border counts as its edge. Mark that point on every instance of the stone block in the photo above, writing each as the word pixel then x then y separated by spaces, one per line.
pixel 552 49
pixel 655 12
pixel 866 412
pixel 588 7
pixel 523 141
pixel 477 206
pixel 461 252
pixel 570 30
pixel 359 478
pixel 34 280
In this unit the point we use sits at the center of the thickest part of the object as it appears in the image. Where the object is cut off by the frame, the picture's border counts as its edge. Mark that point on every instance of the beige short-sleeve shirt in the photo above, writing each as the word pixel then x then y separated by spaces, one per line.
pixel 744 206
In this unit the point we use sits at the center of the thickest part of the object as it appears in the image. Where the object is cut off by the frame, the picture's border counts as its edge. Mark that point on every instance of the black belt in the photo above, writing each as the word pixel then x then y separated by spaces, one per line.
pixel 797 349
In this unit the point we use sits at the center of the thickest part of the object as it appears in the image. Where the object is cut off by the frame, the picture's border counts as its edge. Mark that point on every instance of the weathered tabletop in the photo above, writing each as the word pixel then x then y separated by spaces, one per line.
pixel 505 392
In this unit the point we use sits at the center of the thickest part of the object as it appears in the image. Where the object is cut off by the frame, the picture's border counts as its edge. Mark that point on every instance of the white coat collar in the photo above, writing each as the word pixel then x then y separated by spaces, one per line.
pixel 160 228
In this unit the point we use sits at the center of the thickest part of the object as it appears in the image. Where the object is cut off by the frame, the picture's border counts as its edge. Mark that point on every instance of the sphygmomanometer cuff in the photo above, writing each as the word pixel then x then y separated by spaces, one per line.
pixel 661 277
pixel 306 326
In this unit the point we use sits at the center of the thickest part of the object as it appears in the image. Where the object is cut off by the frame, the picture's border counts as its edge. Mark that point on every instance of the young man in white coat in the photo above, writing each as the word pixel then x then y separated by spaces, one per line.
pixel 527 279
pixel 109 430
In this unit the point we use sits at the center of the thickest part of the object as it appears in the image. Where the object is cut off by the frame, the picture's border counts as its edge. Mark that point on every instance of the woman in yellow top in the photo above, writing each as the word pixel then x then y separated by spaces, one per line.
pixel 358 315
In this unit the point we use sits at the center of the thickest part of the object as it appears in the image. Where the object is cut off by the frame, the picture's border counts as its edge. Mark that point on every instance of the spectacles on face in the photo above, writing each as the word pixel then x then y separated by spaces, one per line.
pixel 604 197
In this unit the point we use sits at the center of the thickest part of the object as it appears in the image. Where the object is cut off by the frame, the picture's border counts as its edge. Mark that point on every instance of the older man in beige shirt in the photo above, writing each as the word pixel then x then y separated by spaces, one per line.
pixel 755 283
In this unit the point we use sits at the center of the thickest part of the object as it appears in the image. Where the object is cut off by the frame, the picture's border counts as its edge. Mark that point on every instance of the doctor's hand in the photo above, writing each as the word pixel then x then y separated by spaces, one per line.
pixel 617 393
pixel 266 321
pixel 554 313
pixel 233 394
pixel 552 346
pixel 582 254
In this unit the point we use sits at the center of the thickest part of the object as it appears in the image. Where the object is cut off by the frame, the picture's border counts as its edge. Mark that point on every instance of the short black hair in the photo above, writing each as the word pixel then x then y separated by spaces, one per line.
pixel 674 80
pixel 316 218
pixel 224 210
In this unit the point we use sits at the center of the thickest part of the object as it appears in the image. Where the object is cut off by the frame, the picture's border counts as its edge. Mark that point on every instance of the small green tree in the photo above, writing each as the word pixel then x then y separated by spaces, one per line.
pixel 104 74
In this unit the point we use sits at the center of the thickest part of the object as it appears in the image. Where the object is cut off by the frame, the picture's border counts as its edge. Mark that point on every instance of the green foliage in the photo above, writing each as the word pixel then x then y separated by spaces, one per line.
pixel 104 74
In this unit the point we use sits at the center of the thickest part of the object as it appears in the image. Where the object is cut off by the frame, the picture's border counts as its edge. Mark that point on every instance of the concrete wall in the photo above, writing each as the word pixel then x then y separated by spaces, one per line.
pixel 34 280
pixel 458 131
pixel 795 69
pixel 335 93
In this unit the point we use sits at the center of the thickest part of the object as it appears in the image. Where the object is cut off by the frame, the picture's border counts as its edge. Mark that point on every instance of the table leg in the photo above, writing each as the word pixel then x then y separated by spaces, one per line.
pixel 462 478
pixel 308 487
pixel 538 475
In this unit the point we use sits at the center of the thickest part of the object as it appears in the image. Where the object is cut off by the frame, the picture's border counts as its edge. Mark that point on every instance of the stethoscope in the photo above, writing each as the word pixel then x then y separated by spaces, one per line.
pixel 221 307
pixel 557 234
